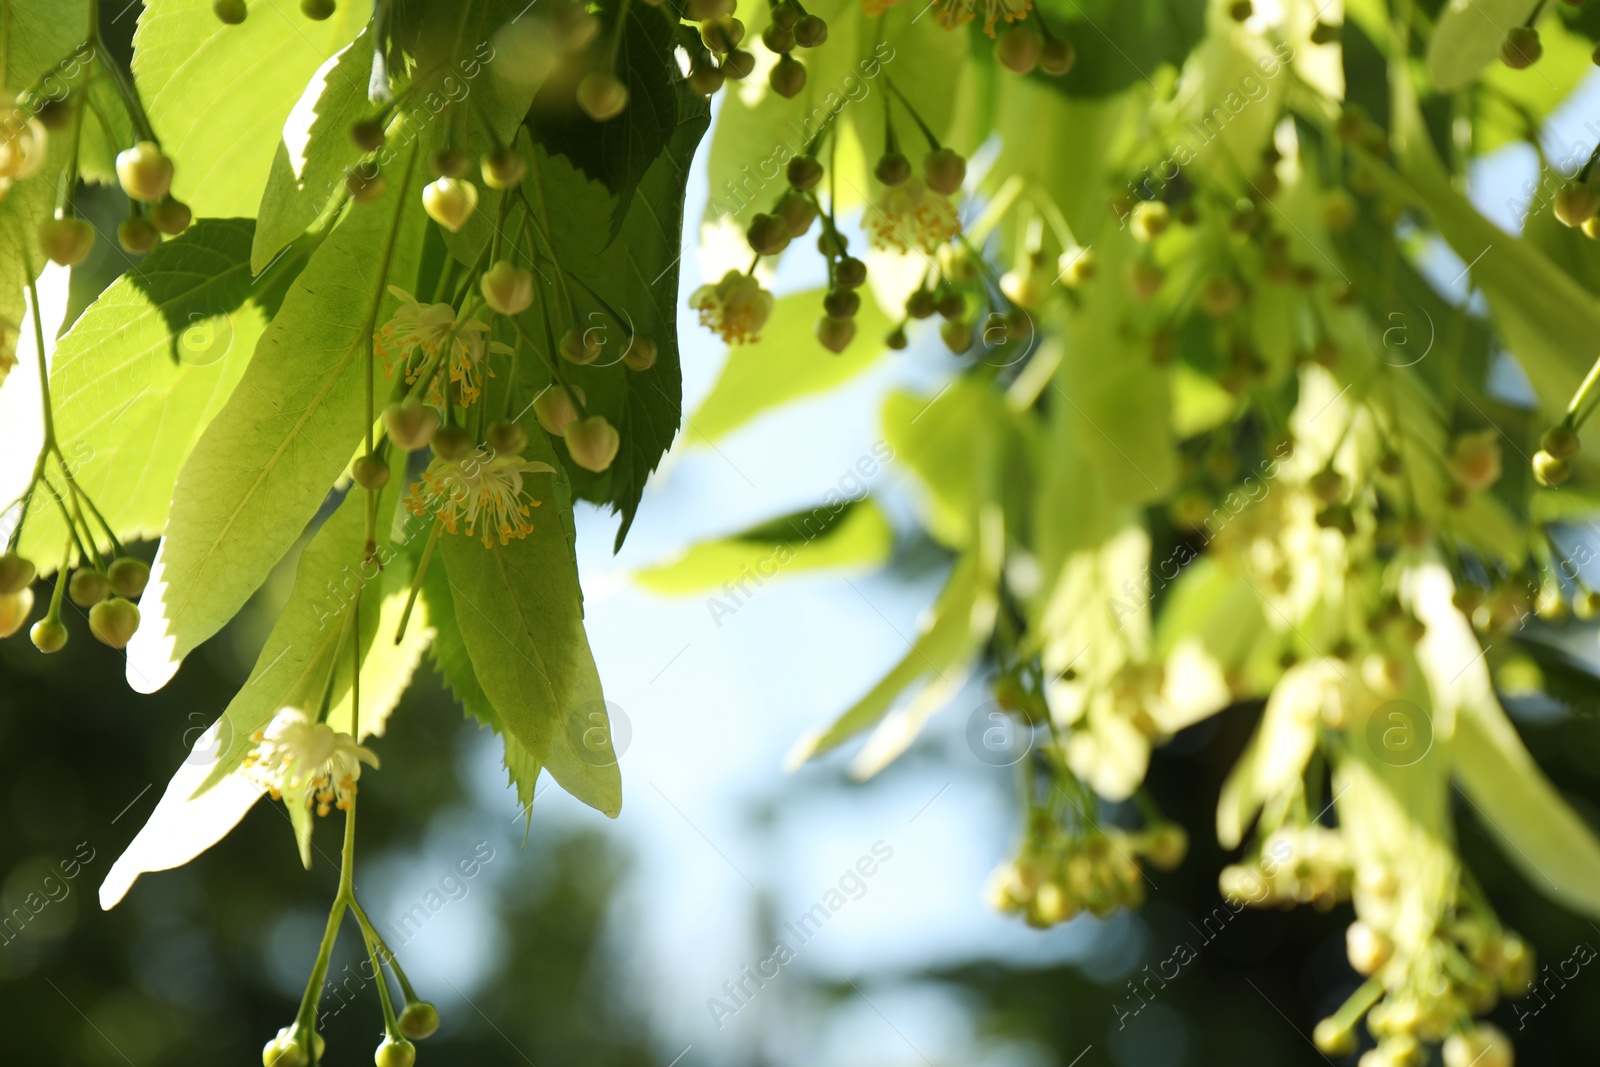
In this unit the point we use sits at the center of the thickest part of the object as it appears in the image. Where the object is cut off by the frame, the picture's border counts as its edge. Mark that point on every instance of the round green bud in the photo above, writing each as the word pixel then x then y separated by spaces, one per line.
pixel 1576 203
pixel 319 10
pixel 395 1053
pixel 1561 441
pixel 850 273
pixel 956 335
pixel 944 169
pixel 897 339
pixel 66 241
pixel 577 346
pixel 451 162
pixel 1333 1039
pixel 921 305
pixel 507 288
pixel 554 408
pixel 810 31
pixel 1325 33
pixel 722 34
pixel 1521 48
pixel 171 216
pixel 892 168
pixel 797 212
pixel 16 573
pixel 1057 57
pixel 1549 471
pixel 593 442
pixel 144 172
pixel 231 12
pixel 602 95
pixel 841 303
pixel 1241 10
pixel 1327 485
pixel 370 471
pixel 1166 845
pixel 49 635
pixel 642 353
pixel 450 202
pixel 706 80
pixel 503 168
pixel 410 423
pixel 804 172
pixel 787 77
pixel 778 39
pixel 14 609
pixel 1019 48
pixel 951 304
pixel 785 14
pixel 137 234
pixel 88 587
pixel 505 438
pixel 452 442
pixel 113 621
pixel 419 1020
pixel 128 576
pixel 835 334
pixel 738 64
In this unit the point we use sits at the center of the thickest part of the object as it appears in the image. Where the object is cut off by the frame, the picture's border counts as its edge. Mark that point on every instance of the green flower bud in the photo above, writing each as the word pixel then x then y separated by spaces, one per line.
pixel 49 635
pixel 768 235
pixel 14 609
pixel 137 234
pixel 593 442
pixel 410 423
pixel 956 335
pixel 787 77
pixel 66 241
pixel 841 303
pixel 944 169
pixel 451 162
pixel 1576 203
pixel 1521 48
pixel 1549 471
pixel 1057 57
pixel 1368 948
pixel 171 216
pixel 554 408
pixel 395 1053
pixel 577 346
pixel 785 14
pixel 231 12
pixel 419 1020
pixel 368 134
pixel 319 10
pixel 88 587
pixel 503 168
pixel 1241 10
pixel 505 438
pixel 128 576
pixel 738 64
pixel 1019 48
pixel 850 273
pixel 450 202
pixel 1333 1040
pixel 1560 441
pixel 921 305
pixel 365 184
pixel 370 471
pixel 507 288
pixel 144 173
pixel 810 31
pixel 778 39
pixel 1149 220
pixel 452 442
pixel 722 34
pixel 16 573
pixel 892 168
pixel 835 334
pixel 796 210
pixel 642 353
pixel 804 172
pixel 706 80
pixel 113 621
pixel 602 95
pixel 1166 845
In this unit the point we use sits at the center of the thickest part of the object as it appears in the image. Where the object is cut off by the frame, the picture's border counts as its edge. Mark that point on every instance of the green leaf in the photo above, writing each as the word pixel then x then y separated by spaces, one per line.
pixel 785 365
pixel 315 152
pixel 24 207
pixel 143 371
pixel 1120 43
pixel 519 609
pixel 449 652
pixel 218 95
pixel 1541 834
pixel 636 278
pixel 1468 36
pixel 266 462
pixel 39 34
pixel 617 153
pixel 854 534
pixel 935 438
pixel 942 656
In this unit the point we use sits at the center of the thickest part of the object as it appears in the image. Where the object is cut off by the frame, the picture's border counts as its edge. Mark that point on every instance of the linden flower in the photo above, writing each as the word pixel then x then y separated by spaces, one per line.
pixel 22 148
pixel 297 758
pixel 418 327
pixel 953 13
pixel 479 489
pixel 910 216
pixel 735 308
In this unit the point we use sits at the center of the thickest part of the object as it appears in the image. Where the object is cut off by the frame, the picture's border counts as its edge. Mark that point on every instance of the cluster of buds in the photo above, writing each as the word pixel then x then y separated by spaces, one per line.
pixel 1428 996
pixel 792 27
pixel 1057 874
pixel 1296 865
pixel 233 12
pixel 105 589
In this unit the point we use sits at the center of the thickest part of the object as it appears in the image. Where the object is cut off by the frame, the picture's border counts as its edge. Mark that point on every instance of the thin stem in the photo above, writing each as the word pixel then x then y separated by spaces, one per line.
pixel 384 950
pixel 416 582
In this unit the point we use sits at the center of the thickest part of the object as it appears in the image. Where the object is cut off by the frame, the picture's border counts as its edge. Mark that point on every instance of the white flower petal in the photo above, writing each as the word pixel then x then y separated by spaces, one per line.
pixel 183 825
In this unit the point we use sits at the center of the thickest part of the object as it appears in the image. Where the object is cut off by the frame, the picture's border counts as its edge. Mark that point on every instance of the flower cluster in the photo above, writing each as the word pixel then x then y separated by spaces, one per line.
pixel 910 217
pixel 734 308
pixel 429 329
